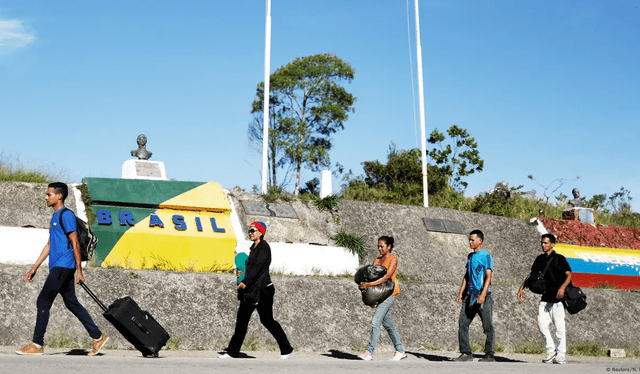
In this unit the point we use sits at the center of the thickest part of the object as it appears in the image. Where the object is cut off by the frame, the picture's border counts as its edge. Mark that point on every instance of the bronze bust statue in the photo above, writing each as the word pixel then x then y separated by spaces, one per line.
pixel 142 152
pixel 577 202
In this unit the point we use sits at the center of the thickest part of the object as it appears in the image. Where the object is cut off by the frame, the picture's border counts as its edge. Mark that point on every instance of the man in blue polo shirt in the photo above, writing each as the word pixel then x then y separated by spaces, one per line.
pixel 64 262
pixel 477 299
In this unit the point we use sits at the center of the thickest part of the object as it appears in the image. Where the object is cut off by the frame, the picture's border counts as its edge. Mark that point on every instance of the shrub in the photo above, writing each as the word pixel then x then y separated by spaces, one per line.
pixel 327 203
pixel 352 242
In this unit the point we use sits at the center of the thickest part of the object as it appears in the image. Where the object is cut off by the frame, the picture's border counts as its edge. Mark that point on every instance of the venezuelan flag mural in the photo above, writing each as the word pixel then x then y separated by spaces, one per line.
pixel 592 266
pixel 169 225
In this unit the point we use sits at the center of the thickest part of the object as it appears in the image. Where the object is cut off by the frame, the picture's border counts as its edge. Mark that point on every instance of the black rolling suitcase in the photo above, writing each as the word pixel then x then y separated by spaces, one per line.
pixel 136 325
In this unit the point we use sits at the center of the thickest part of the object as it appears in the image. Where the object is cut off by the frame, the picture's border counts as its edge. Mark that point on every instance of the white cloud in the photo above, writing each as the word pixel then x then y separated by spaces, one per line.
pixel 13 36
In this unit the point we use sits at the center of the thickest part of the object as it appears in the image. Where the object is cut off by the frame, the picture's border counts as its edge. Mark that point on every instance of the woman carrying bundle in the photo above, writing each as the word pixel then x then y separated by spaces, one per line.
pixel 382 315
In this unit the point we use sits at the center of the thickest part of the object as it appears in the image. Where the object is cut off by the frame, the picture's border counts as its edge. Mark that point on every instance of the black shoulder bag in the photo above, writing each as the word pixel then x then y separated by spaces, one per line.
pixel 536 283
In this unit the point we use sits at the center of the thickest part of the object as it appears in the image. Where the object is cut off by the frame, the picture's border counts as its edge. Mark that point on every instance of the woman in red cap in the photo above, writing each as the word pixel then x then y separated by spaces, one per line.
pixel 257 278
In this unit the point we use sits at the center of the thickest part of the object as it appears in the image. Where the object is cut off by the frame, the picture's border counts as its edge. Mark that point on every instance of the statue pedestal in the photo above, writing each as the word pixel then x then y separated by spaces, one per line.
pixel 144 169
pixel 579 214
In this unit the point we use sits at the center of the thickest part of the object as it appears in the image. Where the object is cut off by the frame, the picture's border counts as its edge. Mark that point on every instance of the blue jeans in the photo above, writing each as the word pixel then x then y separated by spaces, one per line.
pixel 61 281
pixel 467 313
pixel 383 317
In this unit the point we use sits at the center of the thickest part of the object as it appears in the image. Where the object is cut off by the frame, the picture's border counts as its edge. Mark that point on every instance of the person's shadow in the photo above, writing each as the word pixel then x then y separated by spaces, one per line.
pixel 334 353
pixel 428 357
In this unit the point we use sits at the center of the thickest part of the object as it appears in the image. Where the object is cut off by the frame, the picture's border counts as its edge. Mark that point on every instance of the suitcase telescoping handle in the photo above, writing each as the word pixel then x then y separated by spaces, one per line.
pixel 93 296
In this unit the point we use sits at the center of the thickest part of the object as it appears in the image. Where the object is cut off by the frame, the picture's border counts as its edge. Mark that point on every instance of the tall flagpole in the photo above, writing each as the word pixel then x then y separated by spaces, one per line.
pixel 425 186
pixel 265 105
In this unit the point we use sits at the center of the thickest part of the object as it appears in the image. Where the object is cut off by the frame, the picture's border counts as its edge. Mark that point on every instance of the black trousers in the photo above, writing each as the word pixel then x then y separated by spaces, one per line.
pixel 265 311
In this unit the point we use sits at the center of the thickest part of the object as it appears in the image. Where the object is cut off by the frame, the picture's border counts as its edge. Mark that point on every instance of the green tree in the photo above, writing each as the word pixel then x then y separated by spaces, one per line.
pixel 309 105
pixel 457 159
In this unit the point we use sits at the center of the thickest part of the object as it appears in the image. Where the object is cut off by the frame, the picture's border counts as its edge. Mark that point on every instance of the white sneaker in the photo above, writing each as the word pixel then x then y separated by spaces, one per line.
pixel 559 360
pixel 398 356
pixel 548 359
pixel 287 356
pixel 224 356
pixel 366 355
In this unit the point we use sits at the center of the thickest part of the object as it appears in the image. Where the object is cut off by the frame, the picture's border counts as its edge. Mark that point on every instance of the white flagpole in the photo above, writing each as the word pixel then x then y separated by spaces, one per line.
pixel 425 188
pixel 265 118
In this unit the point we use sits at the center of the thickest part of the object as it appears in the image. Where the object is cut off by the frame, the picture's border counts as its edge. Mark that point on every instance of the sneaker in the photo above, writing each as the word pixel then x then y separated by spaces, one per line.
pixel 488 358
pixel 98 344
pixel 30 349
pixel 398 356
pixel 365 356
pixel 224 356
pixel 287 356
pixel 559 360
pixel 463 357
pixel 549 357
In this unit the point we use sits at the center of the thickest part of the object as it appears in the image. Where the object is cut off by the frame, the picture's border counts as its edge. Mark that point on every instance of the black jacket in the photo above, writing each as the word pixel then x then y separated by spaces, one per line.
pixel 257 268
pixel 555 275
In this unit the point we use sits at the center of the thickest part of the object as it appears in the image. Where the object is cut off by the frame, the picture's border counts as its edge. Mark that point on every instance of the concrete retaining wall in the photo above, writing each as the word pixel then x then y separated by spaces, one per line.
pixel 321 313
pixel 318 313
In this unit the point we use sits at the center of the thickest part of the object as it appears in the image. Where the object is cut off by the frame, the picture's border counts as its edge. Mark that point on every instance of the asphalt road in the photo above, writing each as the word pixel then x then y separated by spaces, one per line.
pixel 194 362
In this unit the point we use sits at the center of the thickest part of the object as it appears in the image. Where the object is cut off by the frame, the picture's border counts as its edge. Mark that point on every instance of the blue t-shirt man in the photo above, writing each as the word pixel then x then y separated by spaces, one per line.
pixel 477 265
pixel 60 252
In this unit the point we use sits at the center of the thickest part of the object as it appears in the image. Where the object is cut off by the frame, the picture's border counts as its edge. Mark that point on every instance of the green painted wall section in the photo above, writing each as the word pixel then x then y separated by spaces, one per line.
pixel 136 191
pixel 110 234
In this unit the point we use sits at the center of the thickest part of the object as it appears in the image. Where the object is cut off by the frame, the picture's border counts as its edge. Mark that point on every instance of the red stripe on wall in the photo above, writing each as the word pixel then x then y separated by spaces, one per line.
pixel 624 282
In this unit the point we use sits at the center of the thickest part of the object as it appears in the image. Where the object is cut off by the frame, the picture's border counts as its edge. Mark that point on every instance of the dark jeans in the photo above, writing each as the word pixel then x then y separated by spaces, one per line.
pixel 265 311
pixel 467 313
pixel 61 281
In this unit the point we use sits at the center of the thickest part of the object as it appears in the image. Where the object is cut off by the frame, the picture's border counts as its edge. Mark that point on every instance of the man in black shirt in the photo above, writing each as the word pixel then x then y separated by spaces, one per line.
pixel 551 310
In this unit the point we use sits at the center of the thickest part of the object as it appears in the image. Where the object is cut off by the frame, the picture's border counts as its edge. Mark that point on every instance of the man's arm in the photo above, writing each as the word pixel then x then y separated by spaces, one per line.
pixel 43 256
pixel 485 286
pixel 521 290
pixel 462 288
pixel 73 239
pixel 564 285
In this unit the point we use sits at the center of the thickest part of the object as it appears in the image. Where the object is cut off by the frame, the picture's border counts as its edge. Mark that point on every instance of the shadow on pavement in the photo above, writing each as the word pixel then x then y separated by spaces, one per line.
pixel 334 353
pixel 428 357
pixel 504 359
pixel 73 352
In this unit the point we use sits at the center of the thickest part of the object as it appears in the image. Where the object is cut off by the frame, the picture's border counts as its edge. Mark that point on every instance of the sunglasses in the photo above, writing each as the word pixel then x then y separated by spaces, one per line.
pixel 251 231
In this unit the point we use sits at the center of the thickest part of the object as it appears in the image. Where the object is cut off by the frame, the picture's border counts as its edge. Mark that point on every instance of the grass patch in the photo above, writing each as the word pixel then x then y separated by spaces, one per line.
pixel 532 348
pixel 16 171
pixel 252 344
pixel 173 344
pixel 359 347
pixel 63 339
pixel 276 194
pixel 587 349
pixel 402 277
pixel 606 286
pixel 477 347
pixel 633 351
pixel 273 347
pixel 431 347
pixel 352 242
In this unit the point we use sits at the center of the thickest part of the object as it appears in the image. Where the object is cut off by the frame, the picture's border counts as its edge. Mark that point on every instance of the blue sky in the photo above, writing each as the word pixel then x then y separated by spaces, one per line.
pixel 547 88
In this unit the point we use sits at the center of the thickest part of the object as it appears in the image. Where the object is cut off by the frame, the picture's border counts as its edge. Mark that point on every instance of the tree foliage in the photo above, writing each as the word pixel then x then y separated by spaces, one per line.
pixel 398 181
pixel 307 106
pixel 457 158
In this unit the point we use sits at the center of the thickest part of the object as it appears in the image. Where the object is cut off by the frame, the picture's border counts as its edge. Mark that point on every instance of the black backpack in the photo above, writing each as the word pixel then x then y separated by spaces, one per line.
pixel 86 239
